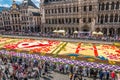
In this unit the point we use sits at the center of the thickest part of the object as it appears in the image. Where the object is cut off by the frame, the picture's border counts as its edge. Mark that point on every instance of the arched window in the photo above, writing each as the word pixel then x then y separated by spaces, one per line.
pixel 90 7
pixel 77 29
pixel 107 6
pixel 112 6
pixel 62 21
pixel 73 20
pixel 111 18
pixel 106 18
pixel 70 9
pixel 117 5
pixel 102 18
pixel 85 8
pixel 116 18
pixel 103 6
pixel 66 10
pixel 74 9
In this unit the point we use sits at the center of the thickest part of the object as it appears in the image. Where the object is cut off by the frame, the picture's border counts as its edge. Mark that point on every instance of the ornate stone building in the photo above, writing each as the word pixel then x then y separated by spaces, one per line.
pixel 1 24
pixel 81 15
pixel 6 20
pixel 24 17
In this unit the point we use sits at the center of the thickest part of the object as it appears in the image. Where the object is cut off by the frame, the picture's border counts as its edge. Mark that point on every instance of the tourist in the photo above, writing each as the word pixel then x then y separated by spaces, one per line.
pixel 70 76
pixel 112 75
pixel 107 75
pixel 118 76
pixel 101 74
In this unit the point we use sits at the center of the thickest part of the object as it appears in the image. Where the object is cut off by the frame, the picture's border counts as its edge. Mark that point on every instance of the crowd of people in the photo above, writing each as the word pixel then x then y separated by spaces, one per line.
pixel 52 35
pixel 19 68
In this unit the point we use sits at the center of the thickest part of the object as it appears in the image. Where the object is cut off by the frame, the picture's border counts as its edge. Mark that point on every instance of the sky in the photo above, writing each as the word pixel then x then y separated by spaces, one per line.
pixel 7 3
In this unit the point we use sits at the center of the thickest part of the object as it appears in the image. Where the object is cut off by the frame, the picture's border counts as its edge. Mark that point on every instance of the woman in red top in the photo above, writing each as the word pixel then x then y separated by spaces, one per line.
pixel 112 75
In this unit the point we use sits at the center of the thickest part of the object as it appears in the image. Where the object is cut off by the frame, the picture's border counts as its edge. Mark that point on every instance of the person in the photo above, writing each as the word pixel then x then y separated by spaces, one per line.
pixel 101 74
pixel 118 76
pixel 106 75
pixel 70 76
pixel 40 69
pixel 112 74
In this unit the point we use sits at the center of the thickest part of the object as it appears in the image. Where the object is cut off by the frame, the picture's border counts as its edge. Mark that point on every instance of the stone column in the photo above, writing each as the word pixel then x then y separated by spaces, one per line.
pixel 108 31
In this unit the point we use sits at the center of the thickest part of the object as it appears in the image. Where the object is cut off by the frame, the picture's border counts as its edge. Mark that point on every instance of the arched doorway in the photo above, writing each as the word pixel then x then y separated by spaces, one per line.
pixel 32 29
pixel 85 28
pixel 104 30
pixel 111 32
pixel 97 29
pixel 45 29
pixel 69 31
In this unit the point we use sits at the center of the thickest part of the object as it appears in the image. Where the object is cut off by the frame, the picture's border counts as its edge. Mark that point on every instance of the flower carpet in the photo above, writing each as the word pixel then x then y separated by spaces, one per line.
pixel 90 52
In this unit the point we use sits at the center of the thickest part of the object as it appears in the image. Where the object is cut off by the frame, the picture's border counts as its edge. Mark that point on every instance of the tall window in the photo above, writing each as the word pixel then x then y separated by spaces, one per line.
pixel 59 10
pixel 85 8
pixel 116 18
pixel 103 6
pixel 73 20
pixel 62 21
pixel 66 10
pixel 52 11
pixel 62 10
pixel 106 18
pixel 69 20
pixel 99 6
pixel 111 18
pixel 117 5
pixel 98 18
pixel 102 19
pixel 107 6
pixel 90 8
pixel 89 20
pixel 66 20
pixel 70 9
pixel 84 20
pixel 112 6
pixel 74 9
pixel 55 11
pixel 45 12
pixel 77 20
pixel 77 9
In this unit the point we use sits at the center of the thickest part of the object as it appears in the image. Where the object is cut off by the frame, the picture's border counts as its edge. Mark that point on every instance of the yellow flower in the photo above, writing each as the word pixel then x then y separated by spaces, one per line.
pixel 30 52
pixel 91 60
pixel 43 53
pixel 73 57
pixel 112 62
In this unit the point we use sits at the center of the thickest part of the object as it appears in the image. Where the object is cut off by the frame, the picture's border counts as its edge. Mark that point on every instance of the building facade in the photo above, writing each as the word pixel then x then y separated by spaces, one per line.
pixel 1 24
pixel 81 15
pixel 24 17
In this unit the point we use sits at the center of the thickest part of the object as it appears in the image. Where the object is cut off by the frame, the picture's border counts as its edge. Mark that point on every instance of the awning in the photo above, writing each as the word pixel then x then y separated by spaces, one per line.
pixel 100 33
pixel 75 32
pixel 61 31
pixel 55 31
pixel 94 33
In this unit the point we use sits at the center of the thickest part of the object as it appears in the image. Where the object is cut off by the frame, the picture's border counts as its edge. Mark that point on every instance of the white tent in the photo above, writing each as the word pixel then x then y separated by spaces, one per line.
pixel 94 33
pixel 61 31
pixel 100 33
pixel 75 32
pixel 55 31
